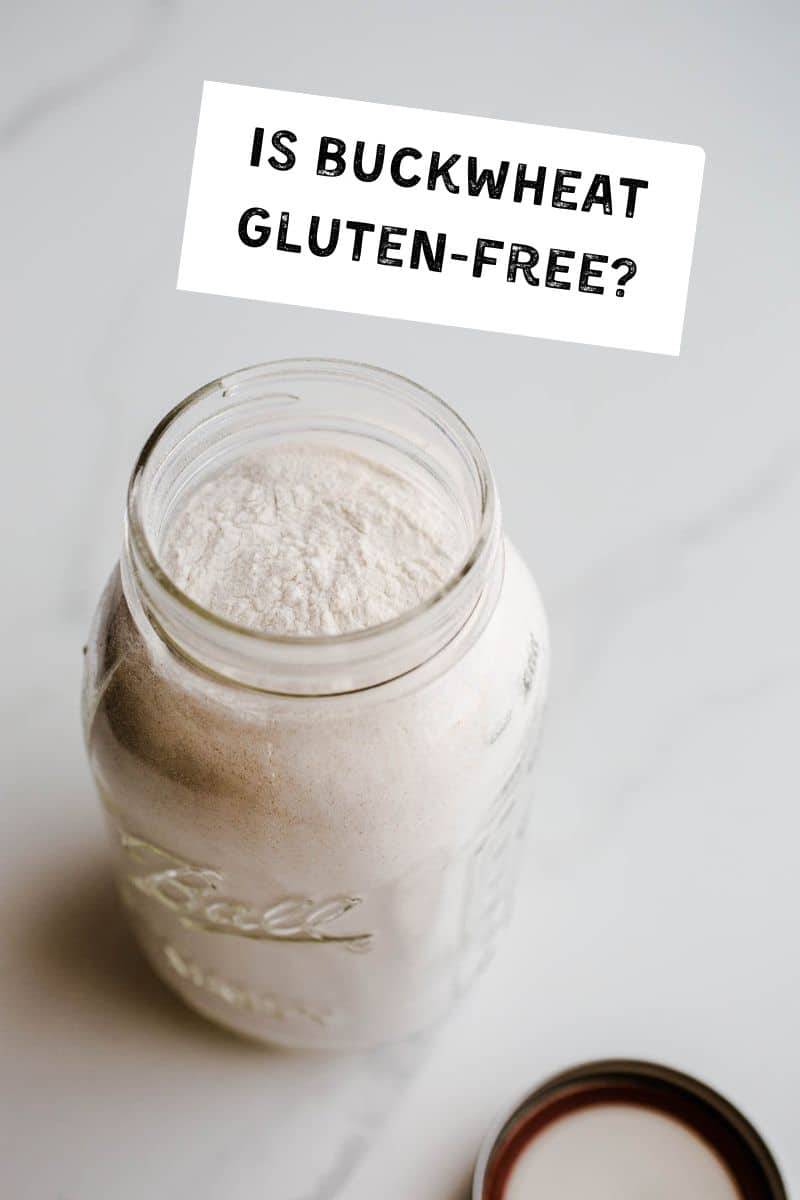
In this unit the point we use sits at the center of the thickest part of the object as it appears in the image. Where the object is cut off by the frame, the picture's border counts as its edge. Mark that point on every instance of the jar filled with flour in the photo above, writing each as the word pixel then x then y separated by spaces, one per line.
pixel 312 697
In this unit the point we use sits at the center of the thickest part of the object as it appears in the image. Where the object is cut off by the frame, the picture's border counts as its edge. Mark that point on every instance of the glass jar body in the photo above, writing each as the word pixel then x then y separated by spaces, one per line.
pixel 324 871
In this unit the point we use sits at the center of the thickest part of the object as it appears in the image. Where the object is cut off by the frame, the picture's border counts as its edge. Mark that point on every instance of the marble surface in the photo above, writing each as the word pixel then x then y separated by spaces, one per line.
pixel 657 499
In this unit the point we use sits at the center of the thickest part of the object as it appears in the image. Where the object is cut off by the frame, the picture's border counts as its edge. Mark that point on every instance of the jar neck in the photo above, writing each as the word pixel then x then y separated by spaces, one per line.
pixel 372 411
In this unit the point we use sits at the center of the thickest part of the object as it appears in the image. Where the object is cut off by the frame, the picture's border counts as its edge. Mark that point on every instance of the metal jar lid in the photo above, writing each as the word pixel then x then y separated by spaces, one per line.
pixel 702 1112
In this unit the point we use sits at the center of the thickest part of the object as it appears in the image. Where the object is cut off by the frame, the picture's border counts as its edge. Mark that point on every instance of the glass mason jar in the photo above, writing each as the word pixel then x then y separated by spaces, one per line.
pixel 316 838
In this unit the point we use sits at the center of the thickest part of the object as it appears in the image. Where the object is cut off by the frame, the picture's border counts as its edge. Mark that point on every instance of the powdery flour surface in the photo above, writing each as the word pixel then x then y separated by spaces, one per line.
pixel 310 540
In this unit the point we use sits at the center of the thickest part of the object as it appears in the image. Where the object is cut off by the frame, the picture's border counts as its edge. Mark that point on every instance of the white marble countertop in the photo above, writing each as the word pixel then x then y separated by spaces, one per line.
pixel 657 500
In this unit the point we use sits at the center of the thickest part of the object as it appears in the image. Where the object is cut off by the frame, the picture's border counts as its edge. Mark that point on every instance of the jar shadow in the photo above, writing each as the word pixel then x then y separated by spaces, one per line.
pixel 81 945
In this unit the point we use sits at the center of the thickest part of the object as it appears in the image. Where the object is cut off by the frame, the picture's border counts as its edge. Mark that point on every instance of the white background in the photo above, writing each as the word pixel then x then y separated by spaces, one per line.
pixel 658 237
pixel 657 500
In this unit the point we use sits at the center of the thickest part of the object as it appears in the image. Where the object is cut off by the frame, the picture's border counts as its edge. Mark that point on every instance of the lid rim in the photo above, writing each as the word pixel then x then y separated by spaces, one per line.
pixel 636 1082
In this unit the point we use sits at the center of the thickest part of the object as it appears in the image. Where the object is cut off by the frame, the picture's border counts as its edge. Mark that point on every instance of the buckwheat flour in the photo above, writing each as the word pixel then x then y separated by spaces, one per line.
pixel 311 540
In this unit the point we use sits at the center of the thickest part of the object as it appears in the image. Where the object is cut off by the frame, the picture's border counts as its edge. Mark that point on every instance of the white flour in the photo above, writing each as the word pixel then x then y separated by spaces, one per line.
pixel 311 540
pixel 324 870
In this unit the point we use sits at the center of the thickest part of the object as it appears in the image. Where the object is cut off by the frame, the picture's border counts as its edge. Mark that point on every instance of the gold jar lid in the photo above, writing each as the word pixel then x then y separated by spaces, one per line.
pixel 625 1129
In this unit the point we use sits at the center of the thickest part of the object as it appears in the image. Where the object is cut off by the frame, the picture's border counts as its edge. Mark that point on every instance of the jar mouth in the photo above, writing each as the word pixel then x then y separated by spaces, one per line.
pixel 163 599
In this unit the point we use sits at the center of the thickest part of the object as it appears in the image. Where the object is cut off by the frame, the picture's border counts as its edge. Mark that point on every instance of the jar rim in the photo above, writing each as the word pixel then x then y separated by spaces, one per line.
pixel 427 403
